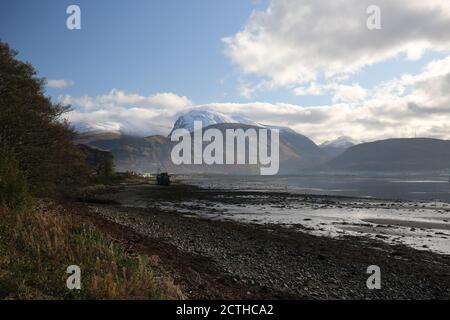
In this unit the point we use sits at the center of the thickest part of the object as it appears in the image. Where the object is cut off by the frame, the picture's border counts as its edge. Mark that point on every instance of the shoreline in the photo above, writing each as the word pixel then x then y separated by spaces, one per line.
pixel 374 188
pixel 214 259
pixel 422 225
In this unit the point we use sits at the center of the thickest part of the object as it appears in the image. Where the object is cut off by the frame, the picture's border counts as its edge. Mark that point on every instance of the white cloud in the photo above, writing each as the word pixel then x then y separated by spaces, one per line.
pixel 121 98
pixel 341 92
pixel 59 84
pixel 295 42
pixel 312 90
pixel 246 91
pixel 129 112
pixel 349 93
pixel 414 104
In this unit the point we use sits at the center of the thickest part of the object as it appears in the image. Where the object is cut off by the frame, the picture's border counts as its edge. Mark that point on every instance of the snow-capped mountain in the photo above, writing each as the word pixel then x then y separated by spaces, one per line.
pixel 208 118
pixel 98 127
pixel 301 144
pixel 341 142
pixel 337 146
pixel 149 154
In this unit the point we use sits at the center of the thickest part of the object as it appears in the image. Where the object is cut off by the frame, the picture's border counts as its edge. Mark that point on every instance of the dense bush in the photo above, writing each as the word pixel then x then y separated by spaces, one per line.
pixel 100 162
pixel 39 241
pixel 37 246
pixel 34 129
pixel 13 188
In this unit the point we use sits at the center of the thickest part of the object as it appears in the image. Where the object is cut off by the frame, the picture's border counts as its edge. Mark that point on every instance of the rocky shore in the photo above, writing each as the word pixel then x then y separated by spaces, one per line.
pixel 211 259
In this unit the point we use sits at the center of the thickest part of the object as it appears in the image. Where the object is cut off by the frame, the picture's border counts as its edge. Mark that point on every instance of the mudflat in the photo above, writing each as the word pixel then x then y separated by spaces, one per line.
pixel 212 258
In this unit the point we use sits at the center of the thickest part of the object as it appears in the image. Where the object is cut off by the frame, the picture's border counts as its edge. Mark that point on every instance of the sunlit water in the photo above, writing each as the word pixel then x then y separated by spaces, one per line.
pixel 399 188
pixel 421 220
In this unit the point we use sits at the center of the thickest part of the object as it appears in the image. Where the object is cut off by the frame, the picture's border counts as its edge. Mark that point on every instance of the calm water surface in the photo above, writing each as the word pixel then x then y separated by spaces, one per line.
pixel 402 188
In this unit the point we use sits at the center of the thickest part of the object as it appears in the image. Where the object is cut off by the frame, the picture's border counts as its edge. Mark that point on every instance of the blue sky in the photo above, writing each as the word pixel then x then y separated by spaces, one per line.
pixel 139 45
pixel 312 65
pixel 149 46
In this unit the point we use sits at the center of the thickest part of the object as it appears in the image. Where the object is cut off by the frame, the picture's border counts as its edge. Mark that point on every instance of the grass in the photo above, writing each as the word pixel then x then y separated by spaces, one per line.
pixel 37 245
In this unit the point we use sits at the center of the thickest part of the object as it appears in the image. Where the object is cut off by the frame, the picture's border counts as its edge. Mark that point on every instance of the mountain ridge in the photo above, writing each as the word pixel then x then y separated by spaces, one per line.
pixel 298 152
pixel 396 154
pixel 337 146
pixel 149 154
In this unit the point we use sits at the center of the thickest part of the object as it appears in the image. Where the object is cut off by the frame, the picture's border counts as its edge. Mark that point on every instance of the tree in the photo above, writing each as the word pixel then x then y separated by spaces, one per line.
pixel 99 161
pixel 34 128
pixel 13 188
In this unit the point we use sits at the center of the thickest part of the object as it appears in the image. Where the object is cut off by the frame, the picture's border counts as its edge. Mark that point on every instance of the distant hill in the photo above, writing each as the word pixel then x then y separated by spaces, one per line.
pixel 130 153
pixel 151 154
pixel 338 146
pixel 394 155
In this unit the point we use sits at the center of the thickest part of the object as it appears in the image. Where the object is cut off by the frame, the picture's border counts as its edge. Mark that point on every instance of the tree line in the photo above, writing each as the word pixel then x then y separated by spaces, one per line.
pixel 37 151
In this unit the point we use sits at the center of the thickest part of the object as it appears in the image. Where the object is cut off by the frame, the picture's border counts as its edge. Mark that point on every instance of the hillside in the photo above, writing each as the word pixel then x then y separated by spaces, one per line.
pixel 151 154
pixel 420 154
pixel 337 146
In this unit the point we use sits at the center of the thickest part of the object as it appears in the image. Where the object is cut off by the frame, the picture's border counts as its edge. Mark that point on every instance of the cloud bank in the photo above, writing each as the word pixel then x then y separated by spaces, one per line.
pixel 296 42
pixel 128 112
pixel 411 105
pixel 314 47
pixel 59 84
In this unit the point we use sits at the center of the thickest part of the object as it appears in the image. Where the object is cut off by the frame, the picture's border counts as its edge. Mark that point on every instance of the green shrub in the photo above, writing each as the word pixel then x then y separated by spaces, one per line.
pixel 34 127
pixel 13 188
pixel 37 245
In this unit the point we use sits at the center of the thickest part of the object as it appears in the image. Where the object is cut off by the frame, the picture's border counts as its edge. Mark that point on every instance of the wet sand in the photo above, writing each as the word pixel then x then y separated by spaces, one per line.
pixel 419 224
pixel 410 224
pixel 211 256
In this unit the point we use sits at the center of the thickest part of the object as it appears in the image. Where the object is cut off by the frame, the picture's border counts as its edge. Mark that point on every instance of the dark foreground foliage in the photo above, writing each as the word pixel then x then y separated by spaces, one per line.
pixel 39 240
pixel 38 244
pixel 33 129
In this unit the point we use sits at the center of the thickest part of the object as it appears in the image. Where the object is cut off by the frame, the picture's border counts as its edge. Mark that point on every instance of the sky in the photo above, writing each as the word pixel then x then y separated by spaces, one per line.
pixel 312 65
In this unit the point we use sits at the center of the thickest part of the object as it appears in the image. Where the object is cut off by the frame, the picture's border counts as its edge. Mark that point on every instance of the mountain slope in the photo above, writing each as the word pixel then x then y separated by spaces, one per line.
pixel 150 154
pixel 131 153
pixel 412 155
pixel 208 118
pixel 290 161
pixel 153 153
pixel 338 146
pixel 302 145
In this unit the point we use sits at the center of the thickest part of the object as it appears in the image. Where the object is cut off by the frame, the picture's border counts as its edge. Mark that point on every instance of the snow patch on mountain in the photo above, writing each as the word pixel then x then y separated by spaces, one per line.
pixel 208 118
pixel 98 127
pixel 341 142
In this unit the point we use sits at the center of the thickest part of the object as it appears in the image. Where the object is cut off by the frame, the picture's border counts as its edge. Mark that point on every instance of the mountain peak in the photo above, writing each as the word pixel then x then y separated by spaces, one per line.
pixel 208 118
pixel 341 142
pixel 337 146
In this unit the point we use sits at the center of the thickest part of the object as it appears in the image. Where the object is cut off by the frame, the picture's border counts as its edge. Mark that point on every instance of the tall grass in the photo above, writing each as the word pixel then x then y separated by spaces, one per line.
pixel 37 246
pixel 39 240
pixel 13 186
